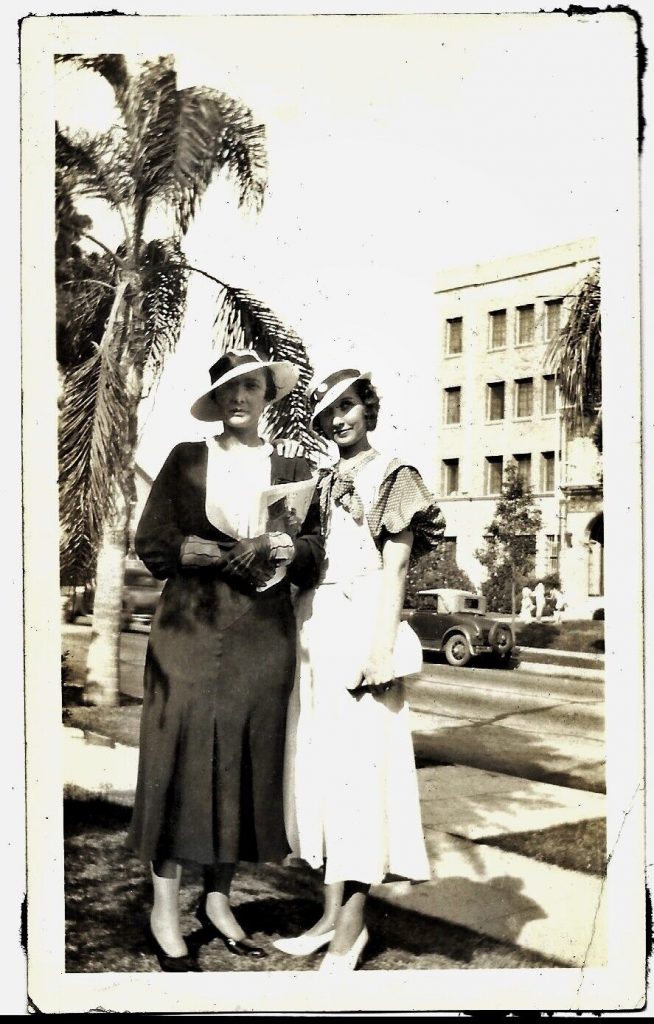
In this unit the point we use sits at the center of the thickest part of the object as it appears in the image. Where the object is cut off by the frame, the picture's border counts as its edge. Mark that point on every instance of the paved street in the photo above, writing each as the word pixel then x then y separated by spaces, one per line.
pixel 548 728
pixel 532 725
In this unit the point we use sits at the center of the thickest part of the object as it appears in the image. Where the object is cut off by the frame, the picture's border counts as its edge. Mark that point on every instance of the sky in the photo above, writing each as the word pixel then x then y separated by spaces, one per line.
pixel 398 146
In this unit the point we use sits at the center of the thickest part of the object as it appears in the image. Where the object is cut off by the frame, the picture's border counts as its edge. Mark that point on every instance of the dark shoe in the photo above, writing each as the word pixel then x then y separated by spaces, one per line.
pixel 171 964
pixel 236 946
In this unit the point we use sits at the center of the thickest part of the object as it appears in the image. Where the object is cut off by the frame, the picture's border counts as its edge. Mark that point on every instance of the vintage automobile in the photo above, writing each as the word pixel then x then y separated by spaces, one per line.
pixel 455 622
pixel 140 596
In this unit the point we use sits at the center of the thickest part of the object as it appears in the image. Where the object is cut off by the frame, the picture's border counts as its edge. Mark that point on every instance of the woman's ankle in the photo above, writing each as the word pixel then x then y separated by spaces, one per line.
pixel 325 924
pixel 219 911
pixel 168 934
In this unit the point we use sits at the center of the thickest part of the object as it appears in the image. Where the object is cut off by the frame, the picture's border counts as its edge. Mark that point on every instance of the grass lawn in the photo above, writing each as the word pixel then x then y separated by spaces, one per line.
pixel 120 724
pixel 108 896
pixel 585 635
pixel 580 846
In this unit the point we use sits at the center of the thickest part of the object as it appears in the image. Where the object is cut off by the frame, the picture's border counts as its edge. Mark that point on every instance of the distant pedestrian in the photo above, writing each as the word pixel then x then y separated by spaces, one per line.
pixel 560 604
pixel 539 598
pixel 526 605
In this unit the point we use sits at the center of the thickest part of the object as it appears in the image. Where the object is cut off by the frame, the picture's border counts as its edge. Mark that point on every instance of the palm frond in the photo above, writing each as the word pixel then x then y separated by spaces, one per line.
pixel 83 305
pixel 94 165
pixel 153 122
pixel 575 353
pixel 112 67
pixel 92 431
pixel 215 132
pixel 165 282
pixel 76 545
pixel 243 321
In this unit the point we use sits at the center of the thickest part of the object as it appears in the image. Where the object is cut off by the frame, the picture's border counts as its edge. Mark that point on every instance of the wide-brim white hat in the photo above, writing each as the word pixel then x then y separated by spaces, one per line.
pixel 237 363
pixel 326 388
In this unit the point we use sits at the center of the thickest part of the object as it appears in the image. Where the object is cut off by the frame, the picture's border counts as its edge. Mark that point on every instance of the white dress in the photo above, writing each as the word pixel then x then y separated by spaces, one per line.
pixel 351 790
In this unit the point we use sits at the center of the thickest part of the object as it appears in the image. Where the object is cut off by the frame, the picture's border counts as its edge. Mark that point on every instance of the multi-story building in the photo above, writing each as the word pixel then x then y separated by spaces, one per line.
pixel 499 401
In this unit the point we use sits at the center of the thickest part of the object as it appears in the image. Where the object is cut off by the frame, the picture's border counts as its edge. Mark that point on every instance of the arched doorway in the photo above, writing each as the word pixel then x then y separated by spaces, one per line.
pixel 595 533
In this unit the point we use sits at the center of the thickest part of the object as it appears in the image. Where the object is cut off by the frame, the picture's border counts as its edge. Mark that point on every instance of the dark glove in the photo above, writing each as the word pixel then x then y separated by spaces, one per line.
pixel 249 561
pixel 196 551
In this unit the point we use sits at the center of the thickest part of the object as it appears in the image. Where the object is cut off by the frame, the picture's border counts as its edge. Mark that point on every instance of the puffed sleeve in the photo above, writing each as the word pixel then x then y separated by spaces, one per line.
pixel 405 503
pixel 158 537
pixel 309 545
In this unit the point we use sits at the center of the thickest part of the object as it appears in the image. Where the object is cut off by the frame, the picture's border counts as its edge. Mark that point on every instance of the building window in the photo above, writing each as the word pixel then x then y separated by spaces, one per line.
pixel 553 310
pixel 495 401
pixel 549 395
pixel 524 398
pixel 547 471
pixel 494 467
pixel 452 405
pixel 497 329
pixel 525 325
pixel 455 336
pixel 523 462
pixel 552 552
pixel 450 476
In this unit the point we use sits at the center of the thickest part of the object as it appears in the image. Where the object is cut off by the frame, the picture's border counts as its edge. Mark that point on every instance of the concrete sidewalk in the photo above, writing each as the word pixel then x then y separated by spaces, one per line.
pixel 558 913
pixel 572 664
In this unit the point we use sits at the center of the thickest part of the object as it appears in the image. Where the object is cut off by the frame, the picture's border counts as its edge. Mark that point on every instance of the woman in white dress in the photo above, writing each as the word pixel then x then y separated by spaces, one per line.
pixel 351 792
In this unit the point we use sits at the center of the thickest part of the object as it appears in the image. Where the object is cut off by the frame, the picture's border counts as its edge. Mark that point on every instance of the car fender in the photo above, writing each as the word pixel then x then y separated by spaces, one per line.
pixel 460 630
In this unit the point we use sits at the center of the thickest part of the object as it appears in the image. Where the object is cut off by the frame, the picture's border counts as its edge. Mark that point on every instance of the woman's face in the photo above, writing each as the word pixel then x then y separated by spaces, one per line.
pixel 345 420
pixel 241 401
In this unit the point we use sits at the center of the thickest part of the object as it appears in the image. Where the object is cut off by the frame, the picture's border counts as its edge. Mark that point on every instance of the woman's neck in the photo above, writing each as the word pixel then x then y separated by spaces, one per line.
pixel 236 438
pixel 350 454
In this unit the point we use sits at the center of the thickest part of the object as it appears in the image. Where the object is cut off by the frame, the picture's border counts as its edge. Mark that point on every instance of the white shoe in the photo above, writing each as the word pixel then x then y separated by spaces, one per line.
pixel 334 963
pixel 303 945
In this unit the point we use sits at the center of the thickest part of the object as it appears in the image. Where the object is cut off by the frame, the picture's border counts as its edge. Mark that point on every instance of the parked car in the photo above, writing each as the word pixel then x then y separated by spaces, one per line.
pixel 456 624
pixel 140 597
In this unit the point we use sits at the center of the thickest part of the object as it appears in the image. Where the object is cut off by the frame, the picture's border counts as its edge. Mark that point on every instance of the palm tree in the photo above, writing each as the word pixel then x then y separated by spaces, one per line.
pixel 120 312
pixel 575 354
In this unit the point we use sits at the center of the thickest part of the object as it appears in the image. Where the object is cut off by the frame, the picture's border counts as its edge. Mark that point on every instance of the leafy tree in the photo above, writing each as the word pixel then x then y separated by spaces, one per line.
pixel 119 313
pixel 575 354
pixel 508 554
pixel 438 568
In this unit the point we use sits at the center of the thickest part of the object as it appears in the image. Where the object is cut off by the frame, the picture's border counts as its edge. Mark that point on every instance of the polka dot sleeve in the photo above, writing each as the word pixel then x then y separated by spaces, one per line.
pixel 405 503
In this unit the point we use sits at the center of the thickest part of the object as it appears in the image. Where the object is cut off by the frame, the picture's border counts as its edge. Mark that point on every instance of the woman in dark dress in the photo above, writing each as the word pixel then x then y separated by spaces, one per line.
pixel 221 656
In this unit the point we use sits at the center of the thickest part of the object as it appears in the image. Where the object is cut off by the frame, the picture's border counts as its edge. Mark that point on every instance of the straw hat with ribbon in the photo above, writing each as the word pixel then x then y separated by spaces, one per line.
pixel 237 363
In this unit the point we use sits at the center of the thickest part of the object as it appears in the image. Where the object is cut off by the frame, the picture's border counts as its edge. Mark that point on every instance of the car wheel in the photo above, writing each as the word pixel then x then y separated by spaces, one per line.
pixel 457 651
pixel 501 640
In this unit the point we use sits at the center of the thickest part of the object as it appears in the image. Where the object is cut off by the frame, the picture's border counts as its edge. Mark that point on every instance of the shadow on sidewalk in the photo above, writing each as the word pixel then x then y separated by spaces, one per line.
pixel 108 898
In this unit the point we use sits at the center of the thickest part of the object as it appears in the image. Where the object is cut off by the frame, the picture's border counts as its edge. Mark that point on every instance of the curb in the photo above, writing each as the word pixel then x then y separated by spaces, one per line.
pixel 552 669
pixel 548 652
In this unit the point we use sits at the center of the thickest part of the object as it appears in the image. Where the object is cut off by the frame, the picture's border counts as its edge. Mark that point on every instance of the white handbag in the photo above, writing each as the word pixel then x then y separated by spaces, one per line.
pixel 407 659
pixel 407 653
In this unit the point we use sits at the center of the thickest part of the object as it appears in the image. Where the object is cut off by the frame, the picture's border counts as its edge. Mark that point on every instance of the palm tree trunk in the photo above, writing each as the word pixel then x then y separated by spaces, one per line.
pixel 103 662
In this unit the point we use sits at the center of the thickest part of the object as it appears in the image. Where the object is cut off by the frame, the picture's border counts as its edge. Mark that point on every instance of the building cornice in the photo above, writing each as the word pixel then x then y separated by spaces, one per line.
pixel 521 265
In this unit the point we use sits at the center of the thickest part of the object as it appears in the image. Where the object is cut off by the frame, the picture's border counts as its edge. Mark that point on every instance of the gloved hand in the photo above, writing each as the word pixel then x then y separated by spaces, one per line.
pixel 249 561
pixel 196 551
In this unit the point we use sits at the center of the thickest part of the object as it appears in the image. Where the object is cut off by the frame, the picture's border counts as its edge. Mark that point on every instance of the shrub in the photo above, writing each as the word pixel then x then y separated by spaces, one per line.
pixel 496 588
pixel 433 570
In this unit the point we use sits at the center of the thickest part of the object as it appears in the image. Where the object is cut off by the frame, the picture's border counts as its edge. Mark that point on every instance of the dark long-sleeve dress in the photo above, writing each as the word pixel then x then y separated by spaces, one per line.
pixel 218 673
